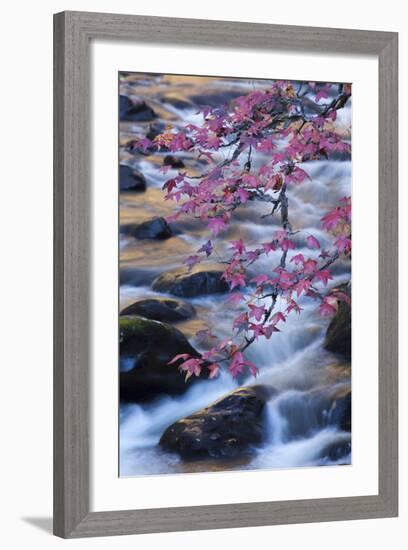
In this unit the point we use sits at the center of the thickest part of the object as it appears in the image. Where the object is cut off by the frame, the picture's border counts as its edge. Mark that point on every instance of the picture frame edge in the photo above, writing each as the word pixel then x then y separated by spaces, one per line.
pixel 72 517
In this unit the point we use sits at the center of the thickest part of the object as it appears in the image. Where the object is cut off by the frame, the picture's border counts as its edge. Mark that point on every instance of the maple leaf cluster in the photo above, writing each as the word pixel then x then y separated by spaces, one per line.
pixel 287 128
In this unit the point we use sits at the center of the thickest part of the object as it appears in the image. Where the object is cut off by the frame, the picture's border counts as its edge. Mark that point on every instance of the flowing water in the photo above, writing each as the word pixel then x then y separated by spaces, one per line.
pixel 293 361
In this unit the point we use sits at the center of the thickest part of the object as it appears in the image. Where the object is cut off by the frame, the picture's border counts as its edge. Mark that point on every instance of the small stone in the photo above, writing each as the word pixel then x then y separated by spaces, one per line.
pixel 130 179
pixel 156 228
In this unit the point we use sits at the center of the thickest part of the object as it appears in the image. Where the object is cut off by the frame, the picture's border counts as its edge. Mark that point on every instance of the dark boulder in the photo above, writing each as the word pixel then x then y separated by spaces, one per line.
pixel 156 228
pixel 151 345
pixel 161 309
pixel 336 450
pixel 338 335
pixel 135 112
pixel 130 179
pixel 124 104
pixel 230 427
pixel 134 276
pixel 174 162
pixel 202 279
pixel 215 99
pixel 176 102
pixel 339 412
pixel 308 412
pixel 155 129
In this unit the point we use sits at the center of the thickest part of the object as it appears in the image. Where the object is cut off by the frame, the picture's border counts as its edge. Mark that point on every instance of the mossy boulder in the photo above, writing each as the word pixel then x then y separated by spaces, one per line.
pixel 202 279
pixel 161 309
pixel 151 345
pixel 228 428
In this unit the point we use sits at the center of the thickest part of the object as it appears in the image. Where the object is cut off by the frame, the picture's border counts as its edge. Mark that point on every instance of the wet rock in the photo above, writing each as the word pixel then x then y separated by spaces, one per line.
pixel 155 129
pixel 338 449
pixel 129 275
pixel 174 162
pixel 228 428
pixel 338 335
pixel 176 102
pixel 340 155
pixel 203 279
pixel 156 228
pixel 130 179
pixel 135 112
pixel 339 413
pixel 124 104
pixel 151 345
pixel 307 412
pixel 215 99
pixel 161 309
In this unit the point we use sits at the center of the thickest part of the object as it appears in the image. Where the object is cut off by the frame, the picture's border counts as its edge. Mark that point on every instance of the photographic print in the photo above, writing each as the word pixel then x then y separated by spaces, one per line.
pixel 235 274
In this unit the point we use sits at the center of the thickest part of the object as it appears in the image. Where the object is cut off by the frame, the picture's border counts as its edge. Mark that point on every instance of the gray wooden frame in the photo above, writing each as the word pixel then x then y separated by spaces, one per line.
pixel 72 34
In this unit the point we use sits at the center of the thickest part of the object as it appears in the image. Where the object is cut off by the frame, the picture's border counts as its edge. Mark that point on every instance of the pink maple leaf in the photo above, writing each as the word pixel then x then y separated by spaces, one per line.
pixel 275 183
pixel 213 142
pixel 237 364
pixel 287 244
pixel 331 219
pixel 328 307
pixel 312 242
pixel 238 246
pixel 243 195
pixel 265 146
pixel 302 286
pixel 277 317
pixel 214 369
pixel 252 255
pixel 320 95
pixel 323 275
pixel 269 330
pixel 269 247
pixel 241 322
pixel 217 225
pixel 207 248
pixel 309 266
pixel 343 244
pixel 169 185
pixel 191 261
pixel 144 144
pixel 293 306
pixel 298 259
pixel 192 367
pixel 237 279
pixel 260 279
pixel 178 357
pixel 297 176
pixel 256 311
pixel 253 370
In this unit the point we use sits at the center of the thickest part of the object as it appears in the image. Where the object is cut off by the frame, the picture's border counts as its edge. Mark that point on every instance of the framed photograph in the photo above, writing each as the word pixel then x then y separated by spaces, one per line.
pixel 225 274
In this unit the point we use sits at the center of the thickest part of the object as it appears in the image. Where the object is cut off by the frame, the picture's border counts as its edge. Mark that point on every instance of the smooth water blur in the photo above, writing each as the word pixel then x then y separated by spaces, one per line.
pixel 292 361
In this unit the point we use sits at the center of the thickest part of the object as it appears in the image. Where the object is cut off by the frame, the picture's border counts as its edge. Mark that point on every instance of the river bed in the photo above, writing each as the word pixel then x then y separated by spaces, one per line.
pixel 293 361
